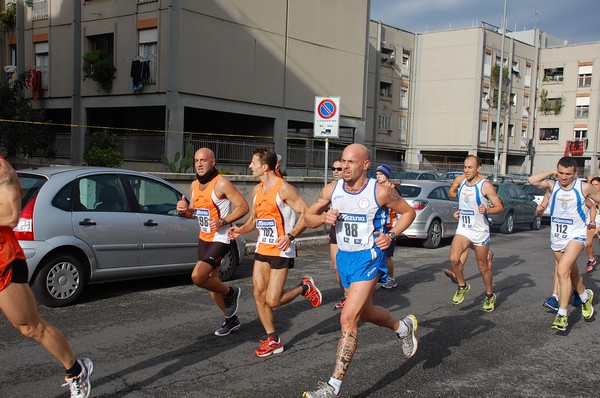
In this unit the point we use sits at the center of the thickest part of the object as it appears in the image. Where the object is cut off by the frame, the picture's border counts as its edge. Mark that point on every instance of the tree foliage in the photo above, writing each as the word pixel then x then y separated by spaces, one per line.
pixel 23 132
pixel 103 150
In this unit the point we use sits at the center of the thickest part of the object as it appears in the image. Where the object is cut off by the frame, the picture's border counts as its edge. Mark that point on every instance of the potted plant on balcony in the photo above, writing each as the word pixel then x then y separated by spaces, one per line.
pixel 8 17
pixel 100 68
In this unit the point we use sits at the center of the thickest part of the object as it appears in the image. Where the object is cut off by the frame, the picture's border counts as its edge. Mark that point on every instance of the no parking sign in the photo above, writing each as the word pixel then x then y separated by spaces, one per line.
pixel 327 120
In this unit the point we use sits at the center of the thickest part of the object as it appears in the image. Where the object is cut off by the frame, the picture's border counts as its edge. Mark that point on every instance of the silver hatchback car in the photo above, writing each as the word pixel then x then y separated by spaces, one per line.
pixel 435 211
pixel 81 225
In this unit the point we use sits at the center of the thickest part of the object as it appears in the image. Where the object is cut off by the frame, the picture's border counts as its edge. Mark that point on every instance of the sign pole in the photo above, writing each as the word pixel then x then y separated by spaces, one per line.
pixel 326 158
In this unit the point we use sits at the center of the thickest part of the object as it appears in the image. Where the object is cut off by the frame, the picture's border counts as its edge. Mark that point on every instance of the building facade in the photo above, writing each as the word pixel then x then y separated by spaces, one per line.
pixel 237 74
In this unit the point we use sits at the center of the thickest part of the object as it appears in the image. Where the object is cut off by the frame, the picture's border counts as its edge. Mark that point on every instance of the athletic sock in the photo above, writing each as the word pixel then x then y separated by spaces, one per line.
pixel 402 329
pixel 555 296
pixel 584 296
pixel 336 384
pixel 562 311
pixel 75 370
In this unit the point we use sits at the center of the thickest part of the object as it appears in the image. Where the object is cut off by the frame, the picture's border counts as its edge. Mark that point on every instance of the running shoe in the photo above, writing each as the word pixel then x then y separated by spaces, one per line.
pixel 409 341
pixel 231 302
pixel 590 265
pixel 390 283
pixel 489 303
pixel 80 386
pixel 450 274
pixel 313 294
pixel 459 296
pixel 552 303
pixel 324 390
pixel 490 257
pixel 586 308
pixel 269 346
pixel 340 304
pixel 229 325
pixel 576 299
pixel 560 323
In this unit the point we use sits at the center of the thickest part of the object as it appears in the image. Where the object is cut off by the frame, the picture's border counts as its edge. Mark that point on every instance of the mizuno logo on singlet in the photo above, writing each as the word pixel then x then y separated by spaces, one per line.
pixel 353 217
pixel 558 220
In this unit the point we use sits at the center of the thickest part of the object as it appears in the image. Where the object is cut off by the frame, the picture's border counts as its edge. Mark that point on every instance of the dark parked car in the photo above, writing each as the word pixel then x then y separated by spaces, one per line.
pixel 519 208
pixel 435 211
pixel 81 225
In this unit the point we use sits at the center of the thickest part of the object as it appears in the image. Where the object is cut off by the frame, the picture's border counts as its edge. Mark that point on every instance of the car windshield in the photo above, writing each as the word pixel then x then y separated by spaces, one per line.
pixel 30 185
pixel 409 191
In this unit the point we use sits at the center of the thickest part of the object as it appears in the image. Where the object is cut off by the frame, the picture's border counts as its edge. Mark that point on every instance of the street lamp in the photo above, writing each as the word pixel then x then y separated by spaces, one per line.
pixel 499 107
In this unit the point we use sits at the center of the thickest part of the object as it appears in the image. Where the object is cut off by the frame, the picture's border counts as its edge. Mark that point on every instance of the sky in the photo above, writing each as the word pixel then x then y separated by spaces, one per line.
pixel 577 21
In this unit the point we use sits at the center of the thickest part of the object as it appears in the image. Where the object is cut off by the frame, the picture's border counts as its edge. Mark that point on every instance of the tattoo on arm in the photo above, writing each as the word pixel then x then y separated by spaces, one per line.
pixel 345 352
pixel 393 195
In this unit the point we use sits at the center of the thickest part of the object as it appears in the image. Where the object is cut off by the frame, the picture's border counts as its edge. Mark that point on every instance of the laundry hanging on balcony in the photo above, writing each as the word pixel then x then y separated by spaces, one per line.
pixel 575 148
pixel 140 70
pixel 34 80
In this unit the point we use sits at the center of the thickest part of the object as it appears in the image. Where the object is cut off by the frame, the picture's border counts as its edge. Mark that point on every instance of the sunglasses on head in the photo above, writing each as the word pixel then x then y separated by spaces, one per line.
pixel 336 168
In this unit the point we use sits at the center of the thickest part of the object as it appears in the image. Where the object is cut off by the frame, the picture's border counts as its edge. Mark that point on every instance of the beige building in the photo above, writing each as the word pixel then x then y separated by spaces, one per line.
pixel 229 74
pixel 568 109
pixel 237 74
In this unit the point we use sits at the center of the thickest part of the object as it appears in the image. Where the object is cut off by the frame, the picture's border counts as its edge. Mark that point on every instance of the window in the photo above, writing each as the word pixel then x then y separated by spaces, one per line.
pixel 40 9
pixel 101 193
pixel 513 99
pixel 554 74
pixel 515 68
pixel 385 89
pixel 148 51
pixel 103 43
pixel 41 61
pixel 483 125
pixel 511 131
pixel 485 98
pixel 402 124
pixel 523 136
pixel 549 134
pixel 403 98
pixel 527 75
pixel 13 54
pixel 582 107
pixel 585 76
pixel 579 134
pixel 385 123
pixel 405 63
pixel 487 64
pixel 153 196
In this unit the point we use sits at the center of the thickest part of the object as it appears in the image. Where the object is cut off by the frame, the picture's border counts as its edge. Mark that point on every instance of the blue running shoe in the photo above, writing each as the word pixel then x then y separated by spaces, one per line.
pixel 576 299
pixel 552 303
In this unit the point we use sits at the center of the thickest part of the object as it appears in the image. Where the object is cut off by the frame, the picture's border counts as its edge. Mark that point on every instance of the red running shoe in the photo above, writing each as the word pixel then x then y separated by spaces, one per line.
pixel 269 346
pixel 313 294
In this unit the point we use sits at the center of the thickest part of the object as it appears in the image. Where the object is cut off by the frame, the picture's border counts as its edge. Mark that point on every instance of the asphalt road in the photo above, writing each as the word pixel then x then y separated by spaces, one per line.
pixel 154 338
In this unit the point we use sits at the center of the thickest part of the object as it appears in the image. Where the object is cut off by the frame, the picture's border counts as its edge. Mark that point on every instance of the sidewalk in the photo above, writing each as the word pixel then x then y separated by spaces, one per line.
pixel 309 237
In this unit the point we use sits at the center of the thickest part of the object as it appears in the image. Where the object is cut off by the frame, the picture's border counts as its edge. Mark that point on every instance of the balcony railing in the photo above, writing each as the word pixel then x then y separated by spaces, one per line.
pixel 39 9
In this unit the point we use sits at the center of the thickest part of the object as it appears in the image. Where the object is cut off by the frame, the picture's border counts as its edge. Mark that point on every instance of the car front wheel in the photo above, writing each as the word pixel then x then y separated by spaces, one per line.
pixel 434 235
pixel 60 282
pixel 535 224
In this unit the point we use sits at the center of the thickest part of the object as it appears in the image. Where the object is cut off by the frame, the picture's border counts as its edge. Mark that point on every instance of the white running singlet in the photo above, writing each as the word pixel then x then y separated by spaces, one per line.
pixel 360 216
pixel 567 215
pixel 471 223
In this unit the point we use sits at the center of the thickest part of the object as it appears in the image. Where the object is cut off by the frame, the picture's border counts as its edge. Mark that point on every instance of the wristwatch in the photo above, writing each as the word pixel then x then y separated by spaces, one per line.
pixel 290 236
pixel 392 235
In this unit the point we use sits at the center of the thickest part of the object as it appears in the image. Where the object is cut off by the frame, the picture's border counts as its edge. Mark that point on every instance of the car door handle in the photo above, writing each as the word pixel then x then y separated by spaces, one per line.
pixel 150 223
pixel 87 221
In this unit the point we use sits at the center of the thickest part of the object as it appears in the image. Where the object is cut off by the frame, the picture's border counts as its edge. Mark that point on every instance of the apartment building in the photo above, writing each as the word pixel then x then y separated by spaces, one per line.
pixel 229 74
pixel 388 92
pixel 568 108
pixel 237 74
